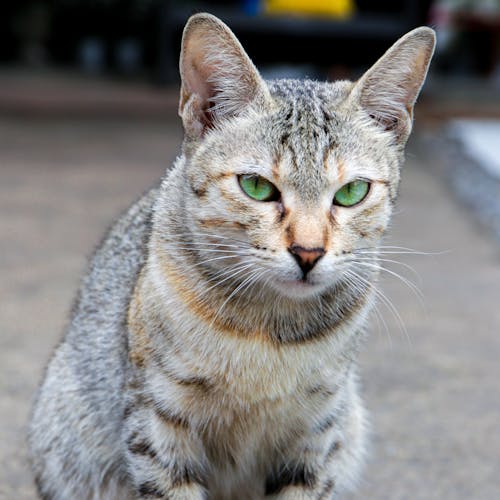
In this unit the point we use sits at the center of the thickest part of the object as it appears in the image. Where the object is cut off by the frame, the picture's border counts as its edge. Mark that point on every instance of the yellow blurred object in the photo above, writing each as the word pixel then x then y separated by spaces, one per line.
pixel 334 8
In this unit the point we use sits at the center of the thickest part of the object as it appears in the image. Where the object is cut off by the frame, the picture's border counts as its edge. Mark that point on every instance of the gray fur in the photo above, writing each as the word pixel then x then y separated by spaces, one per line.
pixel 200 360
pixel 81 398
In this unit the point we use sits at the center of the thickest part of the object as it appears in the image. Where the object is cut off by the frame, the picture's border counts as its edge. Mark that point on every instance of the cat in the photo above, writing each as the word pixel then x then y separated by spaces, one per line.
pixel 212 348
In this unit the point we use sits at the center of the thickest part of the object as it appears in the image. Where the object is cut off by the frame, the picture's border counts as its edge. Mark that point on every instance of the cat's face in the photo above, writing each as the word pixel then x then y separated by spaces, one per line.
pixel 290 195
pixel 286 182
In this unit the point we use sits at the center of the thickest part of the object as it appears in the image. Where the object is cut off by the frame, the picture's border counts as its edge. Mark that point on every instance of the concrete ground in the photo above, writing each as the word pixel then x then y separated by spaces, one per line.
pixel 432 387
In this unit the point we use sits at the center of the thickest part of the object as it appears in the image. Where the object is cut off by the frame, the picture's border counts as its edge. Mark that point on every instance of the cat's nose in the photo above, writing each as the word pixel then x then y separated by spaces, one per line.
pixel 306 257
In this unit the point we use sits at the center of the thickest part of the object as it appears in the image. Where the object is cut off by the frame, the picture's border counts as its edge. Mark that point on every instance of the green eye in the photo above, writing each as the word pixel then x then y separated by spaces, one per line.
pixel 258 188
pixel 352 193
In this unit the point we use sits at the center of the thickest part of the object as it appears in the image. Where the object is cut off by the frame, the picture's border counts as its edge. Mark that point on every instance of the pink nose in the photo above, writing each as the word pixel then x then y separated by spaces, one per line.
pixel 306 257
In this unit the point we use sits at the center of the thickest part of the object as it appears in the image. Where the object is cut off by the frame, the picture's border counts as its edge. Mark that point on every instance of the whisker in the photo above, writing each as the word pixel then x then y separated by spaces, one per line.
pixel 221 257
pixel 211 235
pixel 214 259
pixel 378 315
pixel 231 276
pixel 236 290
pixel 414 288
pixel 376 258
pixel 386 301
pixel 206 250
pixel 391 261
pixel 198 243
pixel 226 273
pixel 390 249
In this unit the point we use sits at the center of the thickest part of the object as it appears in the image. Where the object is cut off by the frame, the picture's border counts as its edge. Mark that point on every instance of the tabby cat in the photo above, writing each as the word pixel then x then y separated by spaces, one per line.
pixel 211 353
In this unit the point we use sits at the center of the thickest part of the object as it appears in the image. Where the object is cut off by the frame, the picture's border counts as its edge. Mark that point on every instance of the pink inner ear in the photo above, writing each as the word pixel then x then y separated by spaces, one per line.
pixel 197 84
pixel 197 72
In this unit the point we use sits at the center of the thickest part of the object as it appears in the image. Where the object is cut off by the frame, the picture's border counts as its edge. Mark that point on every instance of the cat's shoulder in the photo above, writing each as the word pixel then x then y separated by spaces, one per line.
pixel 116 261
pixel 129 234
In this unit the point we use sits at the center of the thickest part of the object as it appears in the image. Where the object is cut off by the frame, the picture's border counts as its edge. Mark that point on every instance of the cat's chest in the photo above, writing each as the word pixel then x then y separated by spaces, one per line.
pixel 249 404
pixel 246 397
pixel 244 444
pixel 243 434
pixel 254 370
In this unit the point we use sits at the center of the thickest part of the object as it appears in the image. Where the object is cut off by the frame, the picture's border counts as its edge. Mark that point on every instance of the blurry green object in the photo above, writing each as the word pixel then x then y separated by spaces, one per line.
pixel 334 8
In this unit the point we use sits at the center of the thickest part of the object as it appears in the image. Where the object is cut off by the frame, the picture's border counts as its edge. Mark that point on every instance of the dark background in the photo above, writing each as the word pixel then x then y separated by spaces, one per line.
pixel 140 38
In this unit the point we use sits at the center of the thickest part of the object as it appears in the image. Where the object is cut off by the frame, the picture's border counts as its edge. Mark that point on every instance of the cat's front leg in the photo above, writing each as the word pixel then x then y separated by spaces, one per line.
pixel 327 460
pixel 304 478
pixel 165 457
pixel 314 476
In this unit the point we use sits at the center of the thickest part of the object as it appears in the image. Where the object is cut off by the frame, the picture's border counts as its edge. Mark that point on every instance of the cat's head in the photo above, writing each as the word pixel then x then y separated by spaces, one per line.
pixel 286 180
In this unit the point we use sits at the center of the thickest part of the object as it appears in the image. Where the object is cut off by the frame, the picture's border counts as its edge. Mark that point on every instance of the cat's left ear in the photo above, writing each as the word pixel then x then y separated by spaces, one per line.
pixel 218 78
pixel 388 90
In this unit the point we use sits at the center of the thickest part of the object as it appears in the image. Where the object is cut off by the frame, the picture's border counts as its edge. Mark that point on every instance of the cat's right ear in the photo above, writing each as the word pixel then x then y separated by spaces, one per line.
pixel 218 78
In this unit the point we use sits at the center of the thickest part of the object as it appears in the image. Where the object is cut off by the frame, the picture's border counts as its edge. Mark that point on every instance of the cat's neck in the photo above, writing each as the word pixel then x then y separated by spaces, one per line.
pixel 243 348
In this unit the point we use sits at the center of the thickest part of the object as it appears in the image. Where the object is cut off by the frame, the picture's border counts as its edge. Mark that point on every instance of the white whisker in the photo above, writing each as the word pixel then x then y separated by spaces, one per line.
pixel 385 300
pixel 404 280
pixel 378 315
pixel 212 235
pixel 376 259
pixel 394 250
pixel 232 275
pixel 204 244
pixel 241 286
pixel 205 250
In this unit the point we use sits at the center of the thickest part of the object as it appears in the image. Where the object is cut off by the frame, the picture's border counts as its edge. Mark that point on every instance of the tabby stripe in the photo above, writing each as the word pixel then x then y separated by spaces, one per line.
pixel 127 411
pixel 171 418
pixel 334 448
pixel 325 424
pixel 186 474
pixel 296 475
pixel 179 474
pixel 369 211
pixel 284 138
pixel 134 384
pixel 222 223
pixel 138 402
pixel 189 381
pixel 321 390
pixel 40 489
pixel 149 489
pixel 142 448
pixel 198 382
pixel 202 189
pixel 327 490
pixel 200 192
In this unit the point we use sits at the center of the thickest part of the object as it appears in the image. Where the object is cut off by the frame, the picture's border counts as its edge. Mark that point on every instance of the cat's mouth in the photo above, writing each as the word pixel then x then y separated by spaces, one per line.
pixel 301 282
pixel 299 288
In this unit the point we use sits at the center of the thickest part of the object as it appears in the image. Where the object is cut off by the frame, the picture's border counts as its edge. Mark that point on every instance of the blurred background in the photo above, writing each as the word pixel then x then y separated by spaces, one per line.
pixel 88 121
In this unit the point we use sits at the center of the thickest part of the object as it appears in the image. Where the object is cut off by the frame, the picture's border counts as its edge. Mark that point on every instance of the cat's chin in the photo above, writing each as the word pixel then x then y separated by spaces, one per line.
pixel 298 289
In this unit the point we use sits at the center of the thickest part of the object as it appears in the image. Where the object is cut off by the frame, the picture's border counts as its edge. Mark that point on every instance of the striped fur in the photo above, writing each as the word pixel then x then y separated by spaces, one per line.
pixel 201 361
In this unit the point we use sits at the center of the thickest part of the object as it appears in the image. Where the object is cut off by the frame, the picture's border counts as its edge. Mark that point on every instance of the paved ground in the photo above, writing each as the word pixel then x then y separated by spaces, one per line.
pixel 433 392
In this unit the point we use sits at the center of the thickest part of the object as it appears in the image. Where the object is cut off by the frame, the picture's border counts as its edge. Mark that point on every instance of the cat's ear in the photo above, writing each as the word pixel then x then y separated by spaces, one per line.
pixel 388 90
pixel 218 78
